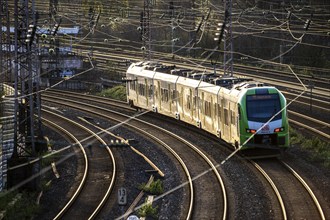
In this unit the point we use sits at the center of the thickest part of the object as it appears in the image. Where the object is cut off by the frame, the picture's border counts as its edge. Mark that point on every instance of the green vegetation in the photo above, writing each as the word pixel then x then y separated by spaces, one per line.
pixel 155 188
pixel 18 205
pixel 148 211
pixel 320 150
pixel 117 92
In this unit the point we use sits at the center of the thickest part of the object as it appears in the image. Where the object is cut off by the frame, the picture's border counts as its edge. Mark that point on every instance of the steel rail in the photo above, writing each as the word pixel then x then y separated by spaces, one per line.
pixel 272 184
pixel 79 188
pixel 187 143
pixel 111 185
pixel 310 192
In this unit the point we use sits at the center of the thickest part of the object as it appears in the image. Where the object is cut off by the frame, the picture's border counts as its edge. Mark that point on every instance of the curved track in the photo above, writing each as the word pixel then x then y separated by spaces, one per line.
pixel 295 198
pixel 98 166
pixel 315 126
pixel 203 205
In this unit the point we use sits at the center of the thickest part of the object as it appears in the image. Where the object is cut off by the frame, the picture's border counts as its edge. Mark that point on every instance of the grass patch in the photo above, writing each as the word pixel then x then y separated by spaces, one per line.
pixel 148 211
pixel 18 205
pixel 155 188
pixel 320 150
pixel 117 92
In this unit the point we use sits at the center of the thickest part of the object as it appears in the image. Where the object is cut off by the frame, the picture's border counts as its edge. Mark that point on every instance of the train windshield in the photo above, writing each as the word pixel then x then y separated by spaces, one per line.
pixel 260 108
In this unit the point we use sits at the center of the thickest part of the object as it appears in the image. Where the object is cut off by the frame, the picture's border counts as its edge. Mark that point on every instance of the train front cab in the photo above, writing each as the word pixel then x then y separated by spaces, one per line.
pixel 257 106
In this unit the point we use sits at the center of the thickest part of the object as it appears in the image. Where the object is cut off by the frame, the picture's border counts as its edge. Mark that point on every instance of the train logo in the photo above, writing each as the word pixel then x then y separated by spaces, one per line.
pixel 265 128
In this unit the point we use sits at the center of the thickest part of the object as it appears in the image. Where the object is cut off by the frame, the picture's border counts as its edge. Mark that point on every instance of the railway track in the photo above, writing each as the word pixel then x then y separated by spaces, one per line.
pixel 94 173
pixel 105 102
pixel 295 198
pixel 312 125
pixel 202 205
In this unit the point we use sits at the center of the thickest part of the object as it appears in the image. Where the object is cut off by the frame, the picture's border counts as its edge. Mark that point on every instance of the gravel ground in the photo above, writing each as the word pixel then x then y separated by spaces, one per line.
pixel 55 195
pixel 246 194
pixel 133 175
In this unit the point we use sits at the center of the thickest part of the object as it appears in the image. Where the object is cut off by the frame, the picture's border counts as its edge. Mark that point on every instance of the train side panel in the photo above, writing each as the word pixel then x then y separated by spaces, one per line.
pixel 209 112
pixel 165 100
pixel 188 108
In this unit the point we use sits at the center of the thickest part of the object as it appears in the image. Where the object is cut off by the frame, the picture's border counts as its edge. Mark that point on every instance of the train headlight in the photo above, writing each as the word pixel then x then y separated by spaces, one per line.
pixel 252 131
pixel 278 129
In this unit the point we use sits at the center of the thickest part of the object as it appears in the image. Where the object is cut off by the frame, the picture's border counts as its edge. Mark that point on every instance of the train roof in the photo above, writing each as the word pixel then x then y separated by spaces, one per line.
pixel 167 77
pixel 232 86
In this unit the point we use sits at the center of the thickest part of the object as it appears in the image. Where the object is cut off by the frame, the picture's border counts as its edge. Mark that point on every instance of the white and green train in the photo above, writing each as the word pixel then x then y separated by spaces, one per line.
pixel 247 115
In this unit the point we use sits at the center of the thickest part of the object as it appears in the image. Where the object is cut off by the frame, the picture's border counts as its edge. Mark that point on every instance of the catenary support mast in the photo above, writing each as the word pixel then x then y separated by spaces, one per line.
pixel 228 41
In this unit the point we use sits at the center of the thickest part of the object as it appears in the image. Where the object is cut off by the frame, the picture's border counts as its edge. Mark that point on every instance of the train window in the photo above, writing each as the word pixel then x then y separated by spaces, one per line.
pixel 261 108
pixel 199 103
pixel 132 85
pixel 226 117
pixel 223 103
pixel 142 88
pixel 151 91
pixel 219 111
pixel 188 102
pixel 173 95
pixel 164 94
pixel 232 113
pixel 208 108
pixel 215 109
pixel 239 112
pixel 180 96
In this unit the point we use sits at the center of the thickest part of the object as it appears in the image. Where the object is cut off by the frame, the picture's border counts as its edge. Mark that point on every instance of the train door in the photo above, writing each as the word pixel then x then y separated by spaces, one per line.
pixel 159 98
pixel 136 84
pixel 222 118
pixel 235 124
pixel 212 115
pixel 181 102
pixel 203 109
pixel 238 119
pixel 146 92
pixel 218 117
pixel 226 127
pixel 150 93
pixel 190 106
pixel 169 97
pixel 232 123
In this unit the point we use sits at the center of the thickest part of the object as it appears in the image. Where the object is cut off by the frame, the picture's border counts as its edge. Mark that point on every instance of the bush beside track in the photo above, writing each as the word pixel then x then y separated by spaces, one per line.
pixel 318 150
pixel 117 92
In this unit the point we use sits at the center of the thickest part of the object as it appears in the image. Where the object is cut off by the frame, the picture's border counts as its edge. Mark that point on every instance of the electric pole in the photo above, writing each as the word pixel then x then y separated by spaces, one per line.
pixel 146 33
pixel 228 41
pixel 27 128
pixel 5 46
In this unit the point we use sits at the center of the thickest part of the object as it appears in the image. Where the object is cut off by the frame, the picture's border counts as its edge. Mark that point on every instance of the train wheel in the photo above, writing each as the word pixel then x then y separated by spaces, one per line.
pixel 236 145
pixel 131 104
pixel 219 134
